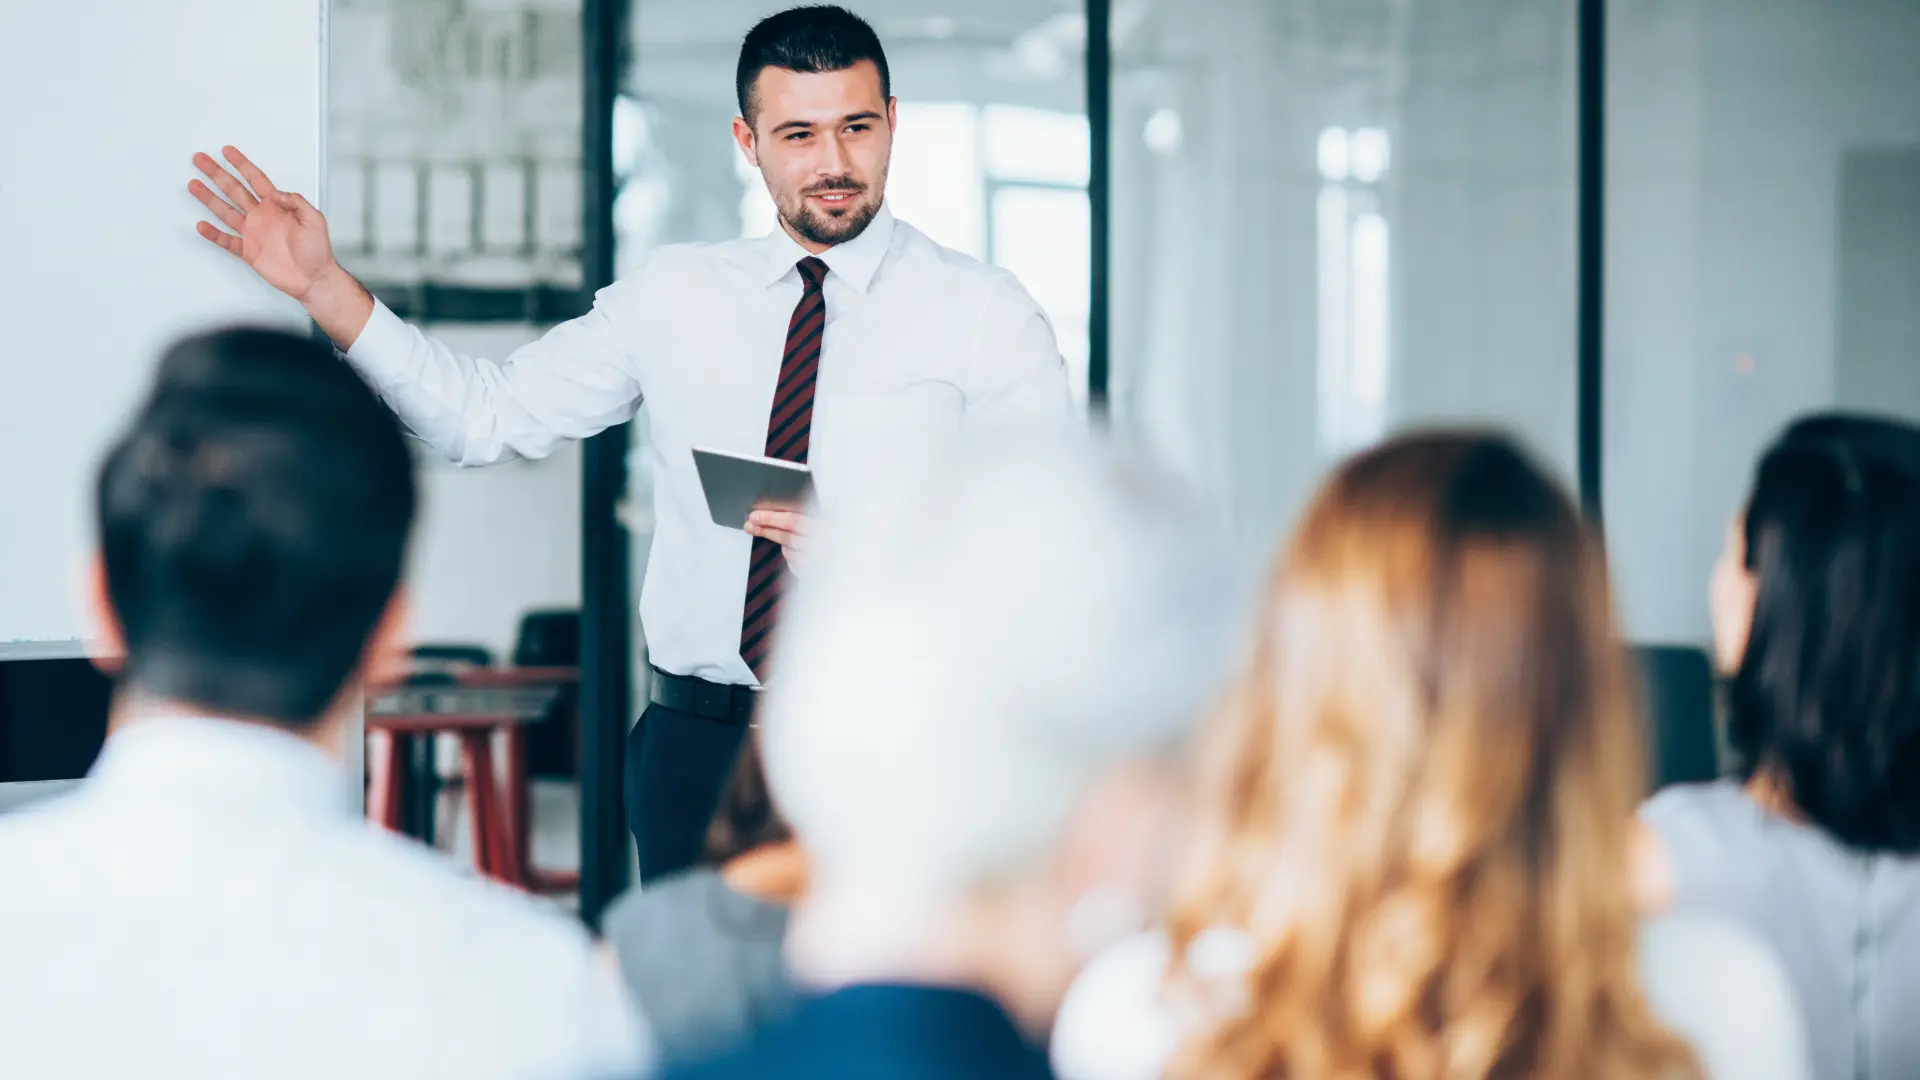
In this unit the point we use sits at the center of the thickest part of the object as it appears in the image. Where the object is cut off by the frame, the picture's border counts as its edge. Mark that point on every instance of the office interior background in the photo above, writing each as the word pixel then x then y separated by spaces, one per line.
pixel 1641 233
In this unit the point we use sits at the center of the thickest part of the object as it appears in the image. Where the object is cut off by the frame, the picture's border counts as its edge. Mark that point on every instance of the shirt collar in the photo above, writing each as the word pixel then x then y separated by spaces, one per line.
pixel 854 262
pixel 223 765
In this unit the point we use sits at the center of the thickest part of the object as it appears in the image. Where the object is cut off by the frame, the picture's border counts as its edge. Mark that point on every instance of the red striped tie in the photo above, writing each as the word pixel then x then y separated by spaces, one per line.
pixel 789 432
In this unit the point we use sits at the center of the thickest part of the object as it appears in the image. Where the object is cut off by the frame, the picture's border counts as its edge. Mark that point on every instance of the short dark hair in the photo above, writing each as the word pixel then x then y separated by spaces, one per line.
pixel 807 39
pixel 747 818
pixel 253 522
pixel 1827 695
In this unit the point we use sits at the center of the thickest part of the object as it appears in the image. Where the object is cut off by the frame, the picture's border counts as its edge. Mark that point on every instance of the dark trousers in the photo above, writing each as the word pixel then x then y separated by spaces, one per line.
pixel 677 765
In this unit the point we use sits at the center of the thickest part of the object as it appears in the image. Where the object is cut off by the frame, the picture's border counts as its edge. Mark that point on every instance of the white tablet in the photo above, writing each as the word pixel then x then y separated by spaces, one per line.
pixel 736 484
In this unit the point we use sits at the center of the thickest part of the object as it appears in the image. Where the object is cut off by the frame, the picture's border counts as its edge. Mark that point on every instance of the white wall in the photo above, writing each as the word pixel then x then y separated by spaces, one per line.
pixel 496 542
pixel 1878 316
pixel 104 104
pixel 1216 275
pixel 1729 123
pixel 1213 257
pixel 1485 224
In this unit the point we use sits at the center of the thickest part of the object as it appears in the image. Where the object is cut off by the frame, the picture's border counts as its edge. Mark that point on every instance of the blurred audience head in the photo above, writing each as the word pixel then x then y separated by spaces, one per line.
pixel 253 523
pixel 1421 792
pixel 1816 611
pixel 985 684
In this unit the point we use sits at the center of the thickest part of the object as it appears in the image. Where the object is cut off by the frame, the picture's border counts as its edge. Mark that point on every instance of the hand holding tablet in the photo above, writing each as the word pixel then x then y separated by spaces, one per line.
pixel 737 484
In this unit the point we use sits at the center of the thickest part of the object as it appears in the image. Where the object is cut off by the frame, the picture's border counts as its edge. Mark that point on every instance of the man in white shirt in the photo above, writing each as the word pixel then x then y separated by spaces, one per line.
pixel 209 905
pixel 903 343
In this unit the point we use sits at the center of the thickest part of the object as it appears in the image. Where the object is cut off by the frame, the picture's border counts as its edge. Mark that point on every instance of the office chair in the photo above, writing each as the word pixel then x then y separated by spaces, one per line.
pixel 551 639
pixel 1679 686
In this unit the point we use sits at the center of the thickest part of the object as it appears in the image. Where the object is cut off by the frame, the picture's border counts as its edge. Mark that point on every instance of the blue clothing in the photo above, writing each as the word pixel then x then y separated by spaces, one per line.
pixel 884 1032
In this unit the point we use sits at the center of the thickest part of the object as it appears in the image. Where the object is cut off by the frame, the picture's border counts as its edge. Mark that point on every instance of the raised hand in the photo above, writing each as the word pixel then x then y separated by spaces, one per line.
pixel 284 239
pixel 277 233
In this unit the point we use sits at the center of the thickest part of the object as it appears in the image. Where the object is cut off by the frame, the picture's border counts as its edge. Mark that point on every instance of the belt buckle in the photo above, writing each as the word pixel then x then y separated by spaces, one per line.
pixel 712 700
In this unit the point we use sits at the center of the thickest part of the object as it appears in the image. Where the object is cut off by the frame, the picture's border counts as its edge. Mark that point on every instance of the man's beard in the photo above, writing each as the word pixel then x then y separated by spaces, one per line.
pixel 819 228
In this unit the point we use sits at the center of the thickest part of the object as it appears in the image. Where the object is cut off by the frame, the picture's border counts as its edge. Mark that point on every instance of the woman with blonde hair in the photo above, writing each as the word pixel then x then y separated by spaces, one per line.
pixel 1414 856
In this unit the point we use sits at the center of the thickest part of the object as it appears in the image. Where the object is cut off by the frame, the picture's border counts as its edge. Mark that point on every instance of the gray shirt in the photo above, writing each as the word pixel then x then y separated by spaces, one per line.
pixel 1845 925
pixel 703 961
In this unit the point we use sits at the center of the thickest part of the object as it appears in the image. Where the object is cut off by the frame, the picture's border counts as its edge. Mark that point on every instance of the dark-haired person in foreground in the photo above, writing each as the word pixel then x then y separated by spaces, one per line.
pixel 1815 844
pixel 701 949
pixel 902 342
pixel 209 904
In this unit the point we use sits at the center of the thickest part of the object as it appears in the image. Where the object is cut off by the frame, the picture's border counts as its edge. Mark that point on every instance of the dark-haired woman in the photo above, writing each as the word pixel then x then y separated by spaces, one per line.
pixel 1814 844
pixel 701 950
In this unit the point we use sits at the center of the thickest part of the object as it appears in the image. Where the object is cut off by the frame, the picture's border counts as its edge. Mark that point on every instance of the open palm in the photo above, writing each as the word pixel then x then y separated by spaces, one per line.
pixel 277 233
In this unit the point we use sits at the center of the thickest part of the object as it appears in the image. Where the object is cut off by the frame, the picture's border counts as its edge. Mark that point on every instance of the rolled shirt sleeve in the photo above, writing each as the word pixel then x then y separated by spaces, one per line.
pixel 576 381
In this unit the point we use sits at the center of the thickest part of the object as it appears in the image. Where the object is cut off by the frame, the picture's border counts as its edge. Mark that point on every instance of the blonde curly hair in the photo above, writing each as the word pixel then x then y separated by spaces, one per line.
pixel 1419 801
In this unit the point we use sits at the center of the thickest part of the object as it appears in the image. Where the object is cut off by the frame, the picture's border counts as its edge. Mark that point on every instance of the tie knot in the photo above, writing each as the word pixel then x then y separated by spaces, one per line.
pixel 812 271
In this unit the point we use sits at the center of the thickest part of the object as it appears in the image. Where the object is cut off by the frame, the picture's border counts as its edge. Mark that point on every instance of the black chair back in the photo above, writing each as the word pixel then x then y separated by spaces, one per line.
pixel 1678 681
pixel 552 639
pixel 548 639
pixel 433 653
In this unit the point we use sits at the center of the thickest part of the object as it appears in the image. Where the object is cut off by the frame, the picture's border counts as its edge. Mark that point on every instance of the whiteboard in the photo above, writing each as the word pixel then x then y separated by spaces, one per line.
pixel 105 102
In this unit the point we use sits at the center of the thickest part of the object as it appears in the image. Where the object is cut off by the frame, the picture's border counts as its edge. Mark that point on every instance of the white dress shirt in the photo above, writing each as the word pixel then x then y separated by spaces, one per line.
pixel 208 906
pixel 920 342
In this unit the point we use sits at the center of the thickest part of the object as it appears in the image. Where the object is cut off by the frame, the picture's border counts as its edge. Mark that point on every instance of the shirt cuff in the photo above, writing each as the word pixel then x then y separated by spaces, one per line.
pixel 383 349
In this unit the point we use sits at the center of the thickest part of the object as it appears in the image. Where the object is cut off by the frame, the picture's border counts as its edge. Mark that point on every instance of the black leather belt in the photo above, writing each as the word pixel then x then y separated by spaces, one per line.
pixel 707 700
